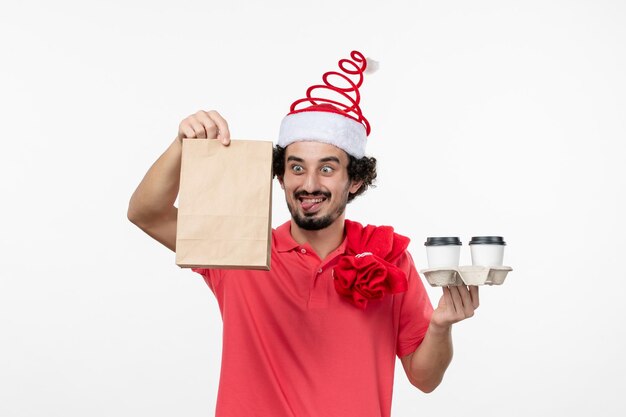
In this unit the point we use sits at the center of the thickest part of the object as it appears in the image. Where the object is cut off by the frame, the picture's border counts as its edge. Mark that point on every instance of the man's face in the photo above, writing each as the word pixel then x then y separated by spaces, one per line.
pixel 316 183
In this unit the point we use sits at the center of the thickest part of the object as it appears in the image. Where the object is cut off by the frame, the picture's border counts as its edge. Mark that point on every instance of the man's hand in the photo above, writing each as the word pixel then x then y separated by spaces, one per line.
pixel 457 303
pixel 204 125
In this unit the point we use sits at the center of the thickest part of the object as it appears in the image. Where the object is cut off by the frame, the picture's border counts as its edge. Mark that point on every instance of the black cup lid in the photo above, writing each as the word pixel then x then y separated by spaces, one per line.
pixel 441 241
pixel 487 240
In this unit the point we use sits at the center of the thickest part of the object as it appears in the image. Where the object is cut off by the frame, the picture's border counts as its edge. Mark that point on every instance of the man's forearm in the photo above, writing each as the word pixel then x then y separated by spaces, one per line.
pixel 431 359
pixel 157 192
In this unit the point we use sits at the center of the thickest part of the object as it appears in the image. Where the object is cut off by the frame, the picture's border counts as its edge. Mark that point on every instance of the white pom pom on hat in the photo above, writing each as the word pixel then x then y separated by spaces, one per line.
pixel 337 121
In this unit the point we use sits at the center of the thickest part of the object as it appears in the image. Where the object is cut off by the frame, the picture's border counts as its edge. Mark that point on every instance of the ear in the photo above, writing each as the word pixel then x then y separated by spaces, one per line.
pixel 280 181
pixel 354 187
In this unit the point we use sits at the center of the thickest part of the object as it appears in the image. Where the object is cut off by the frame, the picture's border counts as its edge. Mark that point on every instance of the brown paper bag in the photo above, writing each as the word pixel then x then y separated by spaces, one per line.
pixel 225 205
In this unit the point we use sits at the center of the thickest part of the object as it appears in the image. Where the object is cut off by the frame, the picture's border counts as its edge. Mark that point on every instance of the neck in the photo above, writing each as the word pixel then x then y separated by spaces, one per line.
pixel 322 241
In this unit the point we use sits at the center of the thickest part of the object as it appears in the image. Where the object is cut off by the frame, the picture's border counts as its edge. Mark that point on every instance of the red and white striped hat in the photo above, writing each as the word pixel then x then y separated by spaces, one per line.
pixel 336 120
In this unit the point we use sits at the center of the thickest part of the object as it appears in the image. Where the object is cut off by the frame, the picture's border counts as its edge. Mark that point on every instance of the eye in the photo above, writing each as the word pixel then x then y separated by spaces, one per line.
pixel 327 169
pixel 297 169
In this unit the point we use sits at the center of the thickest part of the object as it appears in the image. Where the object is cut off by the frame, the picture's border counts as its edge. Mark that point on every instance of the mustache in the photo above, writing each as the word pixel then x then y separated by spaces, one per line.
pixel 314 194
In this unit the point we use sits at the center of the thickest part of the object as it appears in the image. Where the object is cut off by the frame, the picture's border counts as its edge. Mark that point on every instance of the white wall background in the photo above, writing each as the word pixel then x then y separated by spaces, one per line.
pixel 489 117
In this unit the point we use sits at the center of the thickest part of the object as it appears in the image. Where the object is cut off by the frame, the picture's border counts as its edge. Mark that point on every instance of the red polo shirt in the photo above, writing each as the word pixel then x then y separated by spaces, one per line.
pixel 292 346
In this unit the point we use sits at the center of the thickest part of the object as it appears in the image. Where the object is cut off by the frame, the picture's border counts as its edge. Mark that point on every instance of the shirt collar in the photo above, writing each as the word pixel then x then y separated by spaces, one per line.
pixel 282 236
pixel 285 242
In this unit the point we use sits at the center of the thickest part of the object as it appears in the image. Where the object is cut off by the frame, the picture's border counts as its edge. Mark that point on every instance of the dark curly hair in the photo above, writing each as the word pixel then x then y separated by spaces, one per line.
pixel 363 169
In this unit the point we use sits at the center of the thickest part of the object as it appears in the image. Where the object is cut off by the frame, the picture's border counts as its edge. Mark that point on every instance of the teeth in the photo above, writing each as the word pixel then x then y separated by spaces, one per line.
pixel 312 200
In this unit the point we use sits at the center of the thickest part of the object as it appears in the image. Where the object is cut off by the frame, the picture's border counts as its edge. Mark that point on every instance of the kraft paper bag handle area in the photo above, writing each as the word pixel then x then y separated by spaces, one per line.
pixel 225 205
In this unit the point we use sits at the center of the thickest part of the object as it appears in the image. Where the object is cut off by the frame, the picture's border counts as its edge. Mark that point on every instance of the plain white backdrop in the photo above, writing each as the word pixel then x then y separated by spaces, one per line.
pixel 489 117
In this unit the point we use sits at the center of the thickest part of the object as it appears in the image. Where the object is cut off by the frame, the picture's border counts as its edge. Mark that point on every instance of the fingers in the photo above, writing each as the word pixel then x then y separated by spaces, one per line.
pixel 201 130
pixel 205 125
pixel 463 301
pixel 457 302
pixel 186 131
pixel 468 307
pixel 208 124
pixel 222 127
pixel 474 294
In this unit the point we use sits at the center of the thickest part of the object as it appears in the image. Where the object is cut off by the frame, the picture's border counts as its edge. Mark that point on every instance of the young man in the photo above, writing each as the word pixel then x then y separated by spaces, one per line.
pixel 318 334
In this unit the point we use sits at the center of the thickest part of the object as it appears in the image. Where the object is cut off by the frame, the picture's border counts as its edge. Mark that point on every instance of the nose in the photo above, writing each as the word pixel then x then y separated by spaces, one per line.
pixel 311 182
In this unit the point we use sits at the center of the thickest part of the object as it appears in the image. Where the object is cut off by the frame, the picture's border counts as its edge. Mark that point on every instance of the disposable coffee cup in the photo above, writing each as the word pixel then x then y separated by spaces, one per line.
pixel 487 250
pixel 443 252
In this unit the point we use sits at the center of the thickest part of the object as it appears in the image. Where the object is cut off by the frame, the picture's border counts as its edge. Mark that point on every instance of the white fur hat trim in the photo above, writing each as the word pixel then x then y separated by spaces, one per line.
pixel 326 127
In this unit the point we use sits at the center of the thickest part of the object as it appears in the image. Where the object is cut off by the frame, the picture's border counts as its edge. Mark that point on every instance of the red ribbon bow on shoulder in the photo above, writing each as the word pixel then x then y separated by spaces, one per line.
pixel 366 272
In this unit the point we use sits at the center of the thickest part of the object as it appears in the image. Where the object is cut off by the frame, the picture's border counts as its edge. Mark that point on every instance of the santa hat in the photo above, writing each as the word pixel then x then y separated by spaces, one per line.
pixel 337 120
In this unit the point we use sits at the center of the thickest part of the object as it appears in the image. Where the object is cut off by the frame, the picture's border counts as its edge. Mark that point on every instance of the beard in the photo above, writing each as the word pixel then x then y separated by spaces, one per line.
pixel 311 221
pixel 314 223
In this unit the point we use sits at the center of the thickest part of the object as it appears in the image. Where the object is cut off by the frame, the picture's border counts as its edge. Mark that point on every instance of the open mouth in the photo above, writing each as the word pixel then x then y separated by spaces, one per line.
pixel 311 204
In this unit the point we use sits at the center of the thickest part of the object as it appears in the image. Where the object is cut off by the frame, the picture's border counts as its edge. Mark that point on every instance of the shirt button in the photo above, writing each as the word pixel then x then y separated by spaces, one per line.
pixel 319 271
pixel 303 250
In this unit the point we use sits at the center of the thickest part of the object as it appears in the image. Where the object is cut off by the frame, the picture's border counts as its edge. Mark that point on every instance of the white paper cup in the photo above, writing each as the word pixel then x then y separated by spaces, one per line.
pixel 487 250
pixel 443 252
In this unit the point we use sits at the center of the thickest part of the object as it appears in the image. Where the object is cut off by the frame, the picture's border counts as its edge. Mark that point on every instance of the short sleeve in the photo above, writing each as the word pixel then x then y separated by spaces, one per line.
pixel 415 310
pixel 212 277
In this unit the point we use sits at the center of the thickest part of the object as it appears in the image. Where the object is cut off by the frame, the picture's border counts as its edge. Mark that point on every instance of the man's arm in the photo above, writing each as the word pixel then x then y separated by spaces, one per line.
pixel 151 206
pixel 426 366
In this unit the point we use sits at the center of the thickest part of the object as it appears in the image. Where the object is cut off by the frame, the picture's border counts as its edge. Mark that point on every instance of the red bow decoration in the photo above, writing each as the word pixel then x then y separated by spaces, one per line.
pixel 366 272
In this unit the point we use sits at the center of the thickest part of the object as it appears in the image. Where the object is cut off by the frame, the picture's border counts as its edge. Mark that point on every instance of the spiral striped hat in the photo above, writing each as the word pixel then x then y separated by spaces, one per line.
pixel 330 112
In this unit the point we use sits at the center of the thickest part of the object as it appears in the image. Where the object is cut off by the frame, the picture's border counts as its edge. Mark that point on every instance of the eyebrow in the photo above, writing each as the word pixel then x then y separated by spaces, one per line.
pixel 326 159
pixel 331 159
